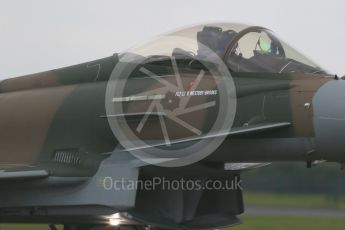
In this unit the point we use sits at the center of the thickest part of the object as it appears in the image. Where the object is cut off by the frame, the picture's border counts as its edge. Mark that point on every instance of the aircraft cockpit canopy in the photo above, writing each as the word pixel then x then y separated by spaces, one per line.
pixel 242 48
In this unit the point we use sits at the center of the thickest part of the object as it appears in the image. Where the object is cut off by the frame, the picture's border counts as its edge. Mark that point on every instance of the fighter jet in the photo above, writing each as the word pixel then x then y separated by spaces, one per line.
pixel 158 136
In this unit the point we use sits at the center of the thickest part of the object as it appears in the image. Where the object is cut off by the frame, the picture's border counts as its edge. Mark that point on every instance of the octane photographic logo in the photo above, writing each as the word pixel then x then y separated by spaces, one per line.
pixel 168 106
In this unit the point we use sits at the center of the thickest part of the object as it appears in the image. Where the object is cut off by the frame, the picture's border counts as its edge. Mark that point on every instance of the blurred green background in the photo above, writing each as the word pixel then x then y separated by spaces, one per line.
pixel 296 197
pixel 284 196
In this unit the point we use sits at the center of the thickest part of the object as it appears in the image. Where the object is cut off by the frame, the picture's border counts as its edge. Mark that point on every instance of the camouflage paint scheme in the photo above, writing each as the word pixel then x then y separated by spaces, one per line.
pixel 61 109
pixel 56 110
pixel 55 121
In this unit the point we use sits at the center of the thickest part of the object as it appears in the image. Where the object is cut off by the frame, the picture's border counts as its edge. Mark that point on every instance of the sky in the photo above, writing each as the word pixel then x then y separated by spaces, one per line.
pixel 38 35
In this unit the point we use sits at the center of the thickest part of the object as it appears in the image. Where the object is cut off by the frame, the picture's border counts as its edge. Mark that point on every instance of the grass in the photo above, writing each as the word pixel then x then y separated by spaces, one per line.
pixel 288 223
pixel 288 200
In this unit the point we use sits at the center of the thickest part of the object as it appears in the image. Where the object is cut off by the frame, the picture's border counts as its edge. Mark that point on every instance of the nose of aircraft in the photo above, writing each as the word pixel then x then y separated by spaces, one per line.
pixel 329 121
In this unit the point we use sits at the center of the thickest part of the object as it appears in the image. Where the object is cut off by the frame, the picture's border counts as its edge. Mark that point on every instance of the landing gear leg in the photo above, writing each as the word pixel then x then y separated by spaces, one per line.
pixel 78 227
pixel 52 227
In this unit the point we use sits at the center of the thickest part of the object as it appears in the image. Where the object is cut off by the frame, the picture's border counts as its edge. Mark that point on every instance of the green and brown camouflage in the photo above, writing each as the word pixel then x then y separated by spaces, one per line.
pixel 61 110
pixel 56 122
pixel 54 111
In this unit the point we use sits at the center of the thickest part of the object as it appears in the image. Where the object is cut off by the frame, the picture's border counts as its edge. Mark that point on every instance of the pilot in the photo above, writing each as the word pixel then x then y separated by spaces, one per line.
pixel 212 40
